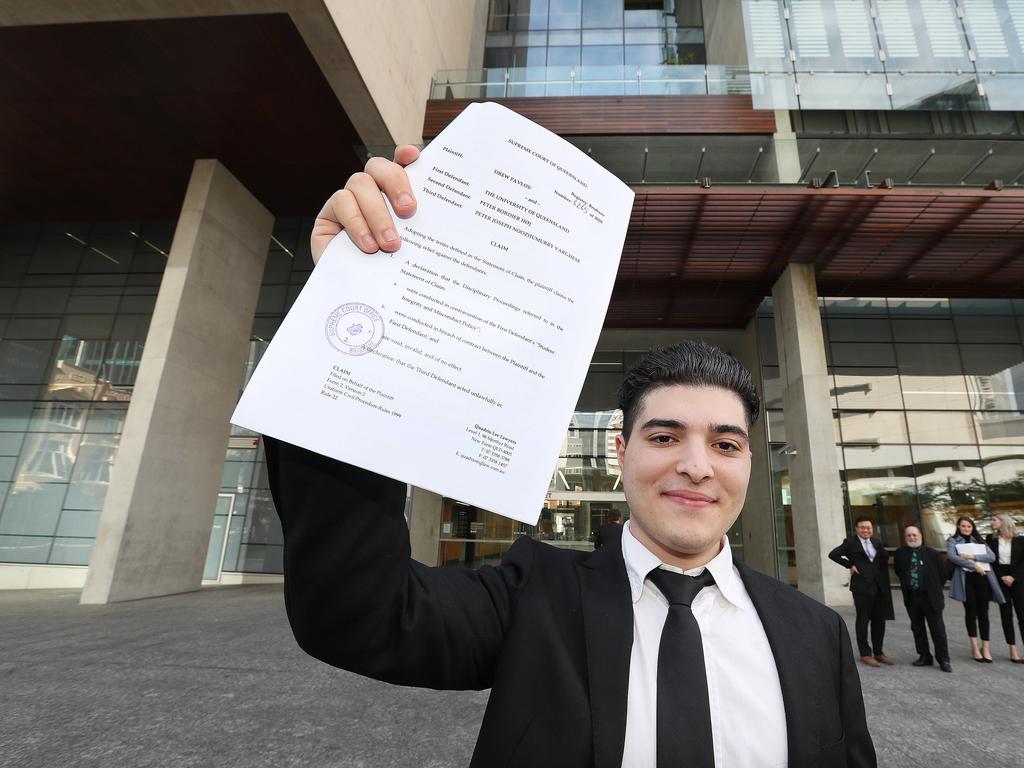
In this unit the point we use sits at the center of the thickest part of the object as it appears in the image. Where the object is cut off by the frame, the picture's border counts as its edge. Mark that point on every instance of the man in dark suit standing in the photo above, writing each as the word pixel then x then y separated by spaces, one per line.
pixel 610 531
pixel 922 572
pixel 647 651
pixel 868 562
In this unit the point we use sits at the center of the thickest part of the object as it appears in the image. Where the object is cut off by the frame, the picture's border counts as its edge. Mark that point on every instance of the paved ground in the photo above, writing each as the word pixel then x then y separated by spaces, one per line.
pixel 214 679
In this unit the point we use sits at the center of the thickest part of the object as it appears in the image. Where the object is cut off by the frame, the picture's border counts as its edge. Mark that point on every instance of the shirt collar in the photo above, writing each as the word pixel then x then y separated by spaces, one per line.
pixel 640 561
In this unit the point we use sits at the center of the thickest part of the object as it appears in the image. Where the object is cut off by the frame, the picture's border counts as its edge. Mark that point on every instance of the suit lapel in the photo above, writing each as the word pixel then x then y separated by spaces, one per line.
pixel 608 628
pixel 788 646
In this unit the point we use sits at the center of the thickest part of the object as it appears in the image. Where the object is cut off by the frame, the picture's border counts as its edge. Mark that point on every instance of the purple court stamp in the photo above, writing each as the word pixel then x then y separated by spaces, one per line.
pixel 354 328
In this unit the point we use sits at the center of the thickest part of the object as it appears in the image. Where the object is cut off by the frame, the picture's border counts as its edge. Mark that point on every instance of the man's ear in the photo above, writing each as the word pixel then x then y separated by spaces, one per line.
pixel 620 448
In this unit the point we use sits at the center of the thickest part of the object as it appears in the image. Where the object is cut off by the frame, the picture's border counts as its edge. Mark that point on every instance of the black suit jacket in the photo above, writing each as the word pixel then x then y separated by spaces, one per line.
pixel 549 631
pixel 1016 566
pixel 872 578
pixel 933 574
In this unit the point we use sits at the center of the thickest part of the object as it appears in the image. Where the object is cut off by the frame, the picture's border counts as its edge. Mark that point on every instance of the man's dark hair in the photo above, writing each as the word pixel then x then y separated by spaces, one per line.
pixel 863 519
pixel 692 363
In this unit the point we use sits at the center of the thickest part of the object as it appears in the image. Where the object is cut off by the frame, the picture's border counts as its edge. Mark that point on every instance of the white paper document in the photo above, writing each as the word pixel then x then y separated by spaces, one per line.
pixel 455 364
pixel 973 549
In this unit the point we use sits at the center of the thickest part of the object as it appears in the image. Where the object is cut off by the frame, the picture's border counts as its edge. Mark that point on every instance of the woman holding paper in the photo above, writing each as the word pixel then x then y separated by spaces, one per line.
pixel 1008 548
pixel 974 583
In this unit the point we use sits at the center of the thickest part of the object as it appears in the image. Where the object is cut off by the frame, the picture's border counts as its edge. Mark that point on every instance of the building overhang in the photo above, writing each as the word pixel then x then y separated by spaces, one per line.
pixel 104 120
pixel 696 257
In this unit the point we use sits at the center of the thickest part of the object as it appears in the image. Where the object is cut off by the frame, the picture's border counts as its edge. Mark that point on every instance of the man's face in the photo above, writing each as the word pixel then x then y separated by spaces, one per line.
pixel 685 470
pixel 865 529
pixel 913 538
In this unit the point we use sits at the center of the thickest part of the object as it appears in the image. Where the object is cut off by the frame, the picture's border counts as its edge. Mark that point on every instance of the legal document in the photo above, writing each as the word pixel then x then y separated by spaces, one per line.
pixel 455 363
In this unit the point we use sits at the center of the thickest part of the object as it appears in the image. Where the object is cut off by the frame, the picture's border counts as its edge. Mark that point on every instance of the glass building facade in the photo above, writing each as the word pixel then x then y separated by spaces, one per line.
pixel 928 421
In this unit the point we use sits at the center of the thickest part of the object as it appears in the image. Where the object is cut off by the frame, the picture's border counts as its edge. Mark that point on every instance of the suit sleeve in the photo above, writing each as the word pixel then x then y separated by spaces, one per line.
pixel 860 751
pixel 1018 566
pixel 355 598
pixel 838 555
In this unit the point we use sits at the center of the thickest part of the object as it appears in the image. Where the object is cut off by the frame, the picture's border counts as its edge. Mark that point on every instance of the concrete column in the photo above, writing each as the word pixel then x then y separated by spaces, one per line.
pixel 818 522
pixel 155 526
pixel 757 517
pixel 425 525
pixel 787 156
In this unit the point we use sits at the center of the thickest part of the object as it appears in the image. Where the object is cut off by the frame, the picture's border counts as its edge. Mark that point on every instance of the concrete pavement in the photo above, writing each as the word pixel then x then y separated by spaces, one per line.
pixel 214 679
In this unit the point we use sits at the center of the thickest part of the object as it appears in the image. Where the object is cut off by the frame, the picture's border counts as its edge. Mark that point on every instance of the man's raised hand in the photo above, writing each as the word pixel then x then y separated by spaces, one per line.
pixel 359 208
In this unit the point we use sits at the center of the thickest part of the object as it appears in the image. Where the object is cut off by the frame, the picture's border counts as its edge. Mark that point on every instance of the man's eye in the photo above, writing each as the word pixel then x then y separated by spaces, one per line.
pixel 663 439
pixel 727 446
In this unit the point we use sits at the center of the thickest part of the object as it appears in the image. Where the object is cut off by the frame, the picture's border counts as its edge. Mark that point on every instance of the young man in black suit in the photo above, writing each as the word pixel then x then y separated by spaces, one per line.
pixel 572 644
pixel 868 562
pixel 922 572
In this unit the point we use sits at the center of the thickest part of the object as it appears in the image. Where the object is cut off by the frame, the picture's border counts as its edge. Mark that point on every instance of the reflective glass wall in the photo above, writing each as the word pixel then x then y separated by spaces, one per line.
pixel 75 304
pixel 928 399
pixel 593 33
pixel 76 300
pixel 886 54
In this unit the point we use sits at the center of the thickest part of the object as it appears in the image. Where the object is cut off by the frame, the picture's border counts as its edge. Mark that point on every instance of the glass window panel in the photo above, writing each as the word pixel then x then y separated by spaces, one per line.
pixel 991 330
pixel 106 418
pixel 71 551
pixel 940 427
pixel 932 330
pixel 868 388
pixel 7 466
pixel 564 57
pixel 87 326
pixel 10 444
pixel 602 13
pixel 996 428
pixel 644 55
pixel 931 376
pixel 919 307
pixel 776 426
pixel 137 304
pixel 47 458
pixel 32 508
pixel 644 37
pixel 995 376
pixel 859 329
pixel 33 328
pixel 1004 477
pixel 261 558
pixel 603 56
pixel 875 427
pixel 41 301
pixel 863 354
pixel 91 476
pixel 79 522
pixel 24 549
pixel 949 485
pixel 130 327
pixel 772 387
pixel 602 37
pixel 857 306
pixel 262 523
pixel 564 14
pixel 855 31
pixel 879 484
pixel 58 417
pixel 586 474
pixel 807 25
pixel 564 38
pixel 14 416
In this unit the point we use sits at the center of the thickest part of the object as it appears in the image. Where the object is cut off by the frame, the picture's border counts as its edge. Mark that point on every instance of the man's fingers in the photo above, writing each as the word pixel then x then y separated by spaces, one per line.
pixel 340 212
pixel 394 181
pixel 405 154
pixel 366 194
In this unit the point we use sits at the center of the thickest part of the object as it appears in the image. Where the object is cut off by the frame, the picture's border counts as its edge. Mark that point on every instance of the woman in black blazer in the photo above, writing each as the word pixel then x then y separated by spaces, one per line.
pixel 1008 548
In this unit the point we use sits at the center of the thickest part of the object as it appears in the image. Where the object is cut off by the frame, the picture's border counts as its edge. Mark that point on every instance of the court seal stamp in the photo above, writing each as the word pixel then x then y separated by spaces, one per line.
pixel 354 328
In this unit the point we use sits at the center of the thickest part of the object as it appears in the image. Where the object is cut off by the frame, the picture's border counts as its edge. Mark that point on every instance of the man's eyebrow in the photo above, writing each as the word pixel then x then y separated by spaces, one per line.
pixel 730 429
pixel 718 429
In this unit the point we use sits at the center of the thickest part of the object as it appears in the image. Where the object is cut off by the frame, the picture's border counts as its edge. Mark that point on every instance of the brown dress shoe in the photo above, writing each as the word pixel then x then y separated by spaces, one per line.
pixel 870 661
pixel 884 659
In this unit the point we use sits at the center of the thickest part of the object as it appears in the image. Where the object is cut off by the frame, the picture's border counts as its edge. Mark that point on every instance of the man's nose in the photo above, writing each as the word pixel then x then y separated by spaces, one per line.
pixel 695 461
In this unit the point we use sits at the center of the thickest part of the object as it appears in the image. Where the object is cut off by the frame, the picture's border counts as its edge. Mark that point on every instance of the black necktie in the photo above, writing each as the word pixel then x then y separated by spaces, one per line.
pixel 684 714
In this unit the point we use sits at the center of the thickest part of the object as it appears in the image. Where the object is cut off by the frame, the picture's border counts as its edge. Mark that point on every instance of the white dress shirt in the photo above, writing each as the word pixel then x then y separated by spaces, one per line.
pixel 869 549
pixel 1004 550
pixel 748 718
